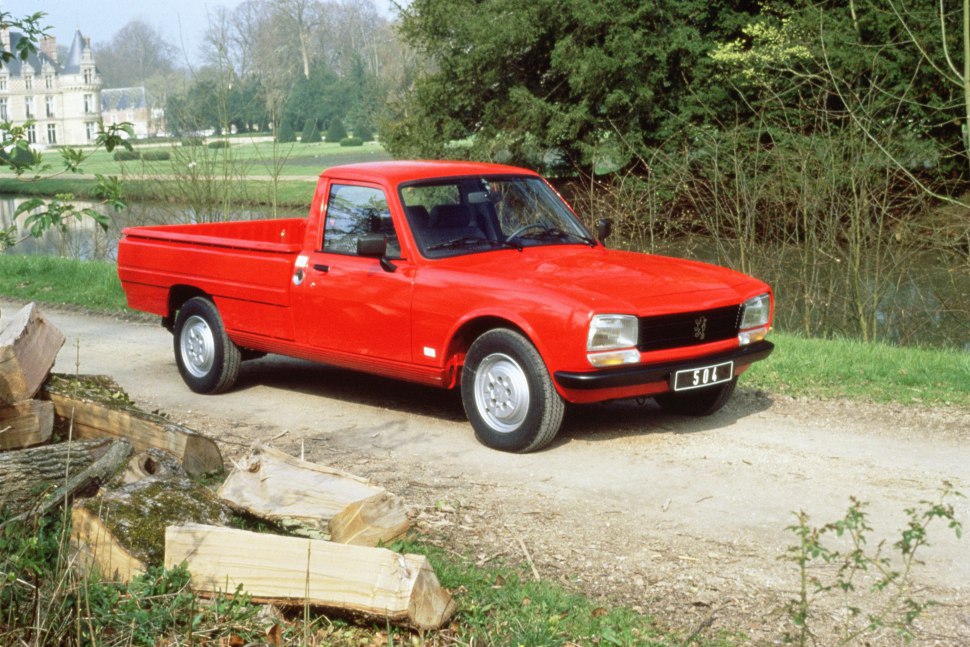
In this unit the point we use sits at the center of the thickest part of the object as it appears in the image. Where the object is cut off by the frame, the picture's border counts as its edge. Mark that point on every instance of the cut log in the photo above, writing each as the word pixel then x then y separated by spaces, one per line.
pixel 122 531
pixel 374 582
pixel 99 408
pixel 313 501
pixel 28 348
pixel 25 424
pixel 26 474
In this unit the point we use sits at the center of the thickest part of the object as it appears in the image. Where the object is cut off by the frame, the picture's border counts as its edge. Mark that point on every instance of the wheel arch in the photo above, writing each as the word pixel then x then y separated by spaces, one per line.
pixel 177 296
pixel 472 329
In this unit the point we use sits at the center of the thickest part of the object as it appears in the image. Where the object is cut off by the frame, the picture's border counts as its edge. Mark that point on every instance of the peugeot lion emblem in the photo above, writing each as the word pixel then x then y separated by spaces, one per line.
pixel 700 327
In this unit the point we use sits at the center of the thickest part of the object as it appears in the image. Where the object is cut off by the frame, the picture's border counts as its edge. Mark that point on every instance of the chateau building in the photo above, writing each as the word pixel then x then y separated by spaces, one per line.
pixel 63 101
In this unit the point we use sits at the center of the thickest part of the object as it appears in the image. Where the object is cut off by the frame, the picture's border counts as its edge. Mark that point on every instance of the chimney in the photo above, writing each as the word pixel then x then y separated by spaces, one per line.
pixel 48 45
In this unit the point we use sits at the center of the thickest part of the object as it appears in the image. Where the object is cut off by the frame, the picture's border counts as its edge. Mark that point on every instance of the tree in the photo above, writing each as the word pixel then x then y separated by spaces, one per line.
pixel 311 134
pixel 135 54
pixel 336 130
pixel 285 134
pixel 521 84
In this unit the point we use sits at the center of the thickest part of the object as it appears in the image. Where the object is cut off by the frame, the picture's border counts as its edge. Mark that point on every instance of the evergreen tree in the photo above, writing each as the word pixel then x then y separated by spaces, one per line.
pixel 285 134
pixel 311 134
pixel 336 130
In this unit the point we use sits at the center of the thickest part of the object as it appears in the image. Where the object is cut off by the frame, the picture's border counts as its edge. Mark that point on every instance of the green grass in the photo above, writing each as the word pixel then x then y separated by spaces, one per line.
pixel 46 279
pixel 843 368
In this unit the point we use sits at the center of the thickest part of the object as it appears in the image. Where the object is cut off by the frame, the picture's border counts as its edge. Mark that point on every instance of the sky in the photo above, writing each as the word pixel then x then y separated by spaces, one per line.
pixel 180 22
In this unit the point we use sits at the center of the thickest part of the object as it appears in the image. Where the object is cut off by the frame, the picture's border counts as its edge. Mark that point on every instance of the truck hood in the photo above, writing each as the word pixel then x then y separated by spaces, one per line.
pixel 599 277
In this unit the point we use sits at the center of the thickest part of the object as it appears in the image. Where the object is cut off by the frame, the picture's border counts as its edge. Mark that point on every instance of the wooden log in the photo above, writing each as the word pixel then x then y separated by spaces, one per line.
pixel 26 474
pixel 374 582
pixel 122 530
pixel 99 408
pixel 312 500
pixel 25 424
pixel 28 348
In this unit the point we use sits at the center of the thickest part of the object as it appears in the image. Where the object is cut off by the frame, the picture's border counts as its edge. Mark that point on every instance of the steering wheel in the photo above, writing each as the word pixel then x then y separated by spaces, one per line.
pixel 525 228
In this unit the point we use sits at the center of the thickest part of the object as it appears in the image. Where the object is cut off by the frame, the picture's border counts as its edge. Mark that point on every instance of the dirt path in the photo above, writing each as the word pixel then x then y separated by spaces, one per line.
pixel 681 518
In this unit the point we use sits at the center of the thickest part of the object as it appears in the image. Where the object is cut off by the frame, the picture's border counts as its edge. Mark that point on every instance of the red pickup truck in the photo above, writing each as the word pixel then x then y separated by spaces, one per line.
pixel 454 274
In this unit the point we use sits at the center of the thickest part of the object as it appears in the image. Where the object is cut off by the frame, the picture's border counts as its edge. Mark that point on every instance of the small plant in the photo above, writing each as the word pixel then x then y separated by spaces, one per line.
pixel 285 134
pixel 336 130
pixel 126 156
pixel 156 156
pixel 889 580
pixel 219 143
pixel 311 134
pixel 351 141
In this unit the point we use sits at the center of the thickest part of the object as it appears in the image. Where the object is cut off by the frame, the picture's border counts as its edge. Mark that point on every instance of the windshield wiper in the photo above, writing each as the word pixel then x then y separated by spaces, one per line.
pixel 458 243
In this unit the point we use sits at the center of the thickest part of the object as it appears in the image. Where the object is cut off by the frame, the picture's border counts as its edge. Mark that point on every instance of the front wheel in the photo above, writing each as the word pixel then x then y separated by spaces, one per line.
pixel 507 393
pixel 207 359
pixel 699 402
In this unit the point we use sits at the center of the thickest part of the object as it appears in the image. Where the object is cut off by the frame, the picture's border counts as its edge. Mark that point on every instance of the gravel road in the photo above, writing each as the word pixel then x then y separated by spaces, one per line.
pixel 684 519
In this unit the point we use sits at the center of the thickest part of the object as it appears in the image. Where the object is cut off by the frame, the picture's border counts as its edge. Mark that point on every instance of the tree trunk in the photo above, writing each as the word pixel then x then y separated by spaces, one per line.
pixel 27 473
pixel 312 500
pixel 374 582
pixel 26 424
pixel 28 348
pixel 99 408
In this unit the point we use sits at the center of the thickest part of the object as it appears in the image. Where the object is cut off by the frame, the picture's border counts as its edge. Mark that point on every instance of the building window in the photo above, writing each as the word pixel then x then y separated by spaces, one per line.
pixel 49 102
pixel 88 103
pixel 3 83
pixel 49 81
pixel 88 75
pixel 29 82
pixel 4 113
pixel 31 134
pixel 51 134
pixel 29 107
pixel 92 130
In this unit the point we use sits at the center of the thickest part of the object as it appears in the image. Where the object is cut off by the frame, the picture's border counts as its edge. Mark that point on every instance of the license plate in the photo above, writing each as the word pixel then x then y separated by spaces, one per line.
pixel 698 378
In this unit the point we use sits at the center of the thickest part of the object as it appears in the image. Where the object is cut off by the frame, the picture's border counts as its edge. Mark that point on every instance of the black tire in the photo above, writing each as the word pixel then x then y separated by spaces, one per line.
pixel 526 413
pixel 207 359
pixel 699 402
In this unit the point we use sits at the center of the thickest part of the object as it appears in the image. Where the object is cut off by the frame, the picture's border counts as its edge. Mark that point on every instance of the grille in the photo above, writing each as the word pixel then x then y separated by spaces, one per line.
pixel 689 328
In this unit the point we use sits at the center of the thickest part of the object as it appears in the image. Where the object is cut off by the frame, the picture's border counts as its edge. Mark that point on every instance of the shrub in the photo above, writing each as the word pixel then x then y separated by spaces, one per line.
pixel 219 143
pixel 156 156
pixel 311 134
pixel 126 156
pixel 351 141
pixel 285 134
pixel 336 130
pixel 192 141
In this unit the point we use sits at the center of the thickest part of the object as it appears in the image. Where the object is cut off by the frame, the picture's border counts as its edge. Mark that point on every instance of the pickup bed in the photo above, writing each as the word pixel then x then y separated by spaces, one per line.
pixel 460 275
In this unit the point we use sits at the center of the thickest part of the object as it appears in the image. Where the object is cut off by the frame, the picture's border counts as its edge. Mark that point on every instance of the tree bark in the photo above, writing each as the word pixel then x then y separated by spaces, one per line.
pixel 26 474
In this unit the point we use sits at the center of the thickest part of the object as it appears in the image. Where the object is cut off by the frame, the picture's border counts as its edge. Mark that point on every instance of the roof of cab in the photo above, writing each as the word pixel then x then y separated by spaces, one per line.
pixel 398 171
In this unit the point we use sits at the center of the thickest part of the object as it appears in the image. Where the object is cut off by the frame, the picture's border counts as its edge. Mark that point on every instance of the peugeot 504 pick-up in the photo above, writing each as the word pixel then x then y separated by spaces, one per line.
pixel 460 275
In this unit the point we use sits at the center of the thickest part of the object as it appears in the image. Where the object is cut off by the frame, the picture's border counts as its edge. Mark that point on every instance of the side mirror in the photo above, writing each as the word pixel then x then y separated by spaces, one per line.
pixel 604 227
pixel 375 246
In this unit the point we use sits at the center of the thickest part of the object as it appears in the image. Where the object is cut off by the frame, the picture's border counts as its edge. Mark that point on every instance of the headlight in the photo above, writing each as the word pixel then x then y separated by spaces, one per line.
pixel 756 312
pixel 612 340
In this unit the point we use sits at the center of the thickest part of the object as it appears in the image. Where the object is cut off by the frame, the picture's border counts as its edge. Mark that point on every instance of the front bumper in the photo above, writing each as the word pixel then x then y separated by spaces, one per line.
pixel 637 375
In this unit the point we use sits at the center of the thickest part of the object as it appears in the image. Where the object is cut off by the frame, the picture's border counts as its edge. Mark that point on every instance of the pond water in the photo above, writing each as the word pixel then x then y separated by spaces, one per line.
pixel 924 301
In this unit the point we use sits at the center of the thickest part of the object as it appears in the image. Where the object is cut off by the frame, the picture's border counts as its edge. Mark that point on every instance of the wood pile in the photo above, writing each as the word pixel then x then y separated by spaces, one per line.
pixel 128 476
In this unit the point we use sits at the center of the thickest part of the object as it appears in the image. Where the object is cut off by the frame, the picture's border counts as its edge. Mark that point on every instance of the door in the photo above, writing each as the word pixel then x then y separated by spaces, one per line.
pixel 353 303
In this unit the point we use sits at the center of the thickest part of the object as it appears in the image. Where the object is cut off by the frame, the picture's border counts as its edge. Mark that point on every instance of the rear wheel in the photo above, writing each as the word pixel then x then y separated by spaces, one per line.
pixel 699 402
pixel 207 359
pixel 507 393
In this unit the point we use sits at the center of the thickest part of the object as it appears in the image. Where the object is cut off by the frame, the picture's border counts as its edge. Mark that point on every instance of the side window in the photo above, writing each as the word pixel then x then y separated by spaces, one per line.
pixel 355 211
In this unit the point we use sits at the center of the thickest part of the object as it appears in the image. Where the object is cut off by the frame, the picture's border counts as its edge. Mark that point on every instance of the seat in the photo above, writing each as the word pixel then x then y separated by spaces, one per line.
pixel 450 222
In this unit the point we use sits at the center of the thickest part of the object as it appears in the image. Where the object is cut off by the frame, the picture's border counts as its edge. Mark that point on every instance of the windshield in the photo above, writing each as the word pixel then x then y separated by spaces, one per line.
pixel 474 214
